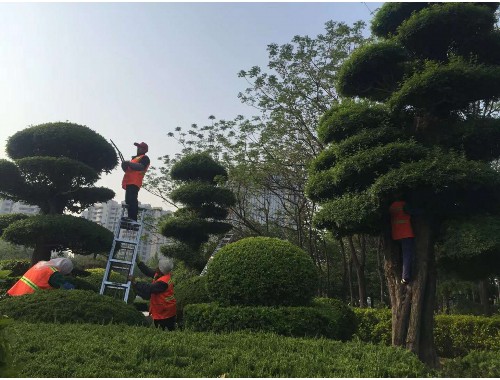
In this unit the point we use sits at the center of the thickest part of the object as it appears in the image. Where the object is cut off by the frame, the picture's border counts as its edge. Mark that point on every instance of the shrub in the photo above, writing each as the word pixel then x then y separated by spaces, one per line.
pixel 262 271
pixel 74 306
pixel 17 267
pixel 373 325
pixel 94 281
pixel 49 350
pixel 297 321
pixel 193 290
pixel 5 354
pixel 473 365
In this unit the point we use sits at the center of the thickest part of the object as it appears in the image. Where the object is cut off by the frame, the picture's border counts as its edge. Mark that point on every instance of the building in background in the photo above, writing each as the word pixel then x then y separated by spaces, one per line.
pixel 8 206
pixel 108 215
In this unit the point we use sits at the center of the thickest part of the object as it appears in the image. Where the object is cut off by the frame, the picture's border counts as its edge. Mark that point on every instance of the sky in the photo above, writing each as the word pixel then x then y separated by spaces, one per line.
pixel 135 71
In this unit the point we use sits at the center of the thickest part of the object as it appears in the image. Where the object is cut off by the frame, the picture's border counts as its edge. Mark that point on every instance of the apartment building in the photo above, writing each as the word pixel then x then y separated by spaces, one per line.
pixel 8 206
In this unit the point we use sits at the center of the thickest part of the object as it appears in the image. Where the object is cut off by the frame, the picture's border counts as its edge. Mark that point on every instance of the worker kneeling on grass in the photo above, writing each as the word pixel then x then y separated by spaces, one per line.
pixel 162 304
pixel 44 275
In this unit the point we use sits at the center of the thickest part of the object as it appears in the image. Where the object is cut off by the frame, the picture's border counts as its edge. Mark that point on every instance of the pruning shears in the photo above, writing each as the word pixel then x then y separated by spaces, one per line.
pixel 118 150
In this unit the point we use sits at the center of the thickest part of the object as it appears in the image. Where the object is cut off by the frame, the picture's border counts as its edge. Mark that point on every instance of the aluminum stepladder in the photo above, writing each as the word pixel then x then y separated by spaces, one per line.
pixel 222 242
pixel 122 256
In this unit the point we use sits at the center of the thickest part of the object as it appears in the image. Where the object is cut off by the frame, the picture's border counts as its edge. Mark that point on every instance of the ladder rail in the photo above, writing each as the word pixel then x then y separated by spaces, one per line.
pixel 226 239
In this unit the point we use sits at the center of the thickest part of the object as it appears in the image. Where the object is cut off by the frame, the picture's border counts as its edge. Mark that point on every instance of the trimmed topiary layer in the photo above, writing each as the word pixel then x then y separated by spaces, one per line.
pixel 70 306
pixel 262 271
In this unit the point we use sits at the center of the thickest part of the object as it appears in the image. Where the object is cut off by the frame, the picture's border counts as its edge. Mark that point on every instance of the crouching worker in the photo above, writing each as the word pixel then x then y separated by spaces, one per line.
pixel 162 304
pixel 44 275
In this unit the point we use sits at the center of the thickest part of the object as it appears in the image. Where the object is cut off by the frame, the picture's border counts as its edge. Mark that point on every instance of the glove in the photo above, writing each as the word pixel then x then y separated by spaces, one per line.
pixel 68 286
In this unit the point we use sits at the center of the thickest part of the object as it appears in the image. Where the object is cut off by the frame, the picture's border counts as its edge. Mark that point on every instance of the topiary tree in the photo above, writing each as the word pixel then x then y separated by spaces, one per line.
pixel 262 271
pixel 205 203
pixel 425 127
pixel 55 166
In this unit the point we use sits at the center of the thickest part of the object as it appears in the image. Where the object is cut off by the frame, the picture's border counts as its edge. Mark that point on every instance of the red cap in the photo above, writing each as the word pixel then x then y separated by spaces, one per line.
pixel 142 145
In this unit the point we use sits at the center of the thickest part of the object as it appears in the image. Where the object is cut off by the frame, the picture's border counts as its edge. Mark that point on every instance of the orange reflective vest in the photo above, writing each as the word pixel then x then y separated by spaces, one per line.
pixel 134 177
pixel 400 221
pixel 34 279
pixel 163 305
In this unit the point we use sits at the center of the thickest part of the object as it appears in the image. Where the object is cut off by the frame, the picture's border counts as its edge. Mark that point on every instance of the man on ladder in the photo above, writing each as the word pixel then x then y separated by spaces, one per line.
pixel 135 169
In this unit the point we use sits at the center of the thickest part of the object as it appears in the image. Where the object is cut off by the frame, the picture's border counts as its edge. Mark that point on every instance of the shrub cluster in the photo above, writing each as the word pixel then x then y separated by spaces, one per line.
pixel 74 306
pixel 190 291
pixel 334 321
pixel 473 365
pixel 454 335
pixel 71 350
pixel 262 271
pixel 5 354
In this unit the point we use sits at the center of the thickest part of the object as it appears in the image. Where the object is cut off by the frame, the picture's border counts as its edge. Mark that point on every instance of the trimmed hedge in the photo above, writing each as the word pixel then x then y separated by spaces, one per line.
pixel 473 365
pixel 70 306
pixel 191 291
pixel 68 351
pixel 454 335
pixel 5 352
pixel 262 271
pixel 334 321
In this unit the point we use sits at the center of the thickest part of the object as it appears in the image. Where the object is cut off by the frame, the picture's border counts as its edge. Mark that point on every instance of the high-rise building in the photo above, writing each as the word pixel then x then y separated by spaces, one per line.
pixel 108 215
pixel 8 206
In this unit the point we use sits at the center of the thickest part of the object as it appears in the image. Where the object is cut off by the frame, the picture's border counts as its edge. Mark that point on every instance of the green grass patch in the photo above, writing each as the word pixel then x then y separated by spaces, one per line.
pixel 84 350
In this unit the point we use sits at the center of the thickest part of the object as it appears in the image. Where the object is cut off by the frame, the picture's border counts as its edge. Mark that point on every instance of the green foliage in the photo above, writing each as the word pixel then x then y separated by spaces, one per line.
pixel 62 231
pixel 183 252
pixel 10 272
pixel 5 349
pixel 320 320
pixel 373 325
pixel 373 71
pixel 476 364
pixel 70 306
pixel 446 25
pixel 262 271
pixel 347 118
pixel 8 219
pixel 197 167
pixel 138 352
pixel 390 16
pixel 191 291
pixel 94 280
pixel 188 229
pixel 195 194
pixel 63 139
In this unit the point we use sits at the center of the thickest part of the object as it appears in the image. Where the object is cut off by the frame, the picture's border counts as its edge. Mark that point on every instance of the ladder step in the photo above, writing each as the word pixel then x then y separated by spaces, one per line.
pixel 120 261
pixel 112 284
pixel 127 241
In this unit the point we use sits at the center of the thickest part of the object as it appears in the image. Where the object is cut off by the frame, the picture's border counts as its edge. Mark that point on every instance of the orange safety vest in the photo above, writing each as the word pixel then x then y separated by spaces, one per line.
pixel 34 279
pixel 163 305
pixel 134 177
pixel 400 221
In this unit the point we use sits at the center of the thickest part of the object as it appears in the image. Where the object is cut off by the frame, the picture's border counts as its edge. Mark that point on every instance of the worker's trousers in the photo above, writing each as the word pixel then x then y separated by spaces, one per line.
pixel 408 248
pixel 131 195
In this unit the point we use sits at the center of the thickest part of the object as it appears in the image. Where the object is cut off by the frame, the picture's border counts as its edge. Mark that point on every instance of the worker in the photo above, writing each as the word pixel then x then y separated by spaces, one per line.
pixel 162 304
pixel 402 232
pixel 44 275
pixel 135 169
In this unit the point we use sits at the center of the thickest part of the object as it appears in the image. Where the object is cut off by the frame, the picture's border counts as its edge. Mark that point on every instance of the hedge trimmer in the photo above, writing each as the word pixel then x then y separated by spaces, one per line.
pixel 118 150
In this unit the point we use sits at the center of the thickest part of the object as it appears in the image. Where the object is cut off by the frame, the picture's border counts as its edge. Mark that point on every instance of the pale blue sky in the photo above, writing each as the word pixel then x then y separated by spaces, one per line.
pixel 135 71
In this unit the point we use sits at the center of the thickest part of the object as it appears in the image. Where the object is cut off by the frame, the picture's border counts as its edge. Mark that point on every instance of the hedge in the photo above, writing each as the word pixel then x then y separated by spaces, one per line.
pixel 454 335
pixel 5 351
pixel 473 365
pixel 191 291
pixel 70 306
pixel 52 350
pixel 329 321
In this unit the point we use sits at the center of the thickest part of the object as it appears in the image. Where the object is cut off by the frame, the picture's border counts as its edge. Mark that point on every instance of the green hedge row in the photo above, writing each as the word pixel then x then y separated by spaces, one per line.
pixel 454 335
pixel 330 320
pixel 473 365
pixel 5 352
pixel 83 350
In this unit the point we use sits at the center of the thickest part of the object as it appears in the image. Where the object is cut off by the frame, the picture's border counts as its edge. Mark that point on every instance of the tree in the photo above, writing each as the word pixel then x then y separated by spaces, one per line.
pixel 205 206
pixel 54 167
pixel 426 129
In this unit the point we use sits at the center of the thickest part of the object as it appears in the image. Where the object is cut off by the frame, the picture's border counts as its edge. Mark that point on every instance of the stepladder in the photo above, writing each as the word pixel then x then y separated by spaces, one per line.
pixel 226 239
pixel 122 256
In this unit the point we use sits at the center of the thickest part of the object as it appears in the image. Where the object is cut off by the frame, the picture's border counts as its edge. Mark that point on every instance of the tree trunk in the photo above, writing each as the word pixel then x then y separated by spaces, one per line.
pixel 413 304
pixel 360 272
pixel 346 281
pixel 41 253
pixel 380 272
pixel 483 296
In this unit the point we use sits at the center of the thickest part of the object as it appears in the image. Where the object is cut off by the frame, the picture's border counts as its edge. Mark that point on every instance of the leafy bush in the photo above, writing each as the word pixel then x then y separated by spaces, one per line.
pixel 50 350
pixel 329 321
pixel 5 354
pixel 454 335
pixel 16 267
pixel 262 271
pixel 193 290
pixel 74 306
pixel 473 365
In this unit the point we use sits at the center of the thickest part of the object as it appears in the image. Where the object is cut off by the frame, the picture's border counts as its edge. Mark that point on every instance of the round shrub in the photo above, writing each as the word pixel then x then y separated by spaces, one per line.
pixel 70 306
pixel 262 271
pixel 193 290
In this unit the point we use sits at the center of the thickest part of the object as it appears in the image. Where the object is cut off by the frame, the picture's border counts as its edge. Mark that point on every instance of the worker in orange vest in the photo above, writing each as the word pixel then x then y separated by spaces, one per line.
pixel 162 304
pixel 402 231
pixel 135 169
pixel 44 275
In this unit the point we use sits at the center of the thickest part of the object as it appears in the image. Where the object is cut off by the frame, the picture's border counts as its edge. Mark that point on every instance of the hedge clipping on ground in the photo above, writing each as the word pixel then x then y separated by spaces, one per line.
pixel 70 306
pixel 262 271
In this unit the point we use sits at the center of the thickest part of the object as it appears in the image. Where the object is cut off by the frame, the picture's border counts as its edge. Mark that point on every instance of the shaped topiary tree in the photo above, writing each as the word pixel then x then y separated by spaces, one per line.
pixel 55 166
pixel 262 271
pixel 205 203
pixel 435 75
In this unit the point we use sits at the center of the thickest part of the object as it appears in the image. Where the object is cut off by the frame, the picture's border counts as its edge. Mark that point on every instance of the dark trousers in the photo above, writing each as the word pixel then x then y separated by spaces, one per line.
pixel 166 324
pixel 131 194
pixel 408 248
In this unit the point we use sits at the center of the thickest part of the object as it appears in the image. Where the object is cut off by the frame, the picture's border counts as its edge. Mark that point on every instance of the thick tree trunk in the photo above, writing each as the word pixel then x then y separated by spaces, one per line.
pixel 413 304
pixel 40 253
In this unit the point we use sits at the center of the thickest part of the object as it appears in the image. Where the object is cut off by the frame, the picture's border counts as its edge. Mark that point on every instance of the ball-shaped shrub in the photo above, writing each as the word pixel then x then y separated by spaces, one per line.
pixel 193 290
pixel 70 306
pixel 262 271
